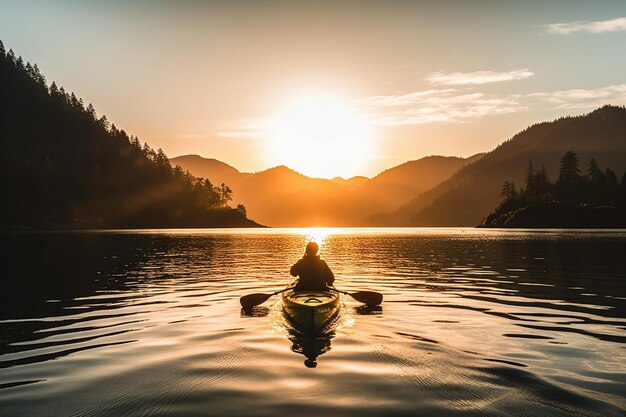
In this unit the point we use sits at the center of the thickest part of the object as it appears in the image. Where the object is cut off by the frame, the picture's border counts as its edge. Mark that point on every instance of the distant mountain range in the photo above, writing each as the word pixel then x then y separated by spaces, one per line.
pixel 432 191
pixel 468 195
pixel 62 166
pixel 282 197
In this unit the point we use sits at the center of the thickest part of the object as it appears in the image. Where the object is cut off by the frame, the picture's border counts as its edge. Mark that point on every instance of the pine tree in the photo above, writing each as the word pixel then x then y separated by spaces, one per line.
pixel 569 175
pixel 508 191
pixel 226 194
pixel 29 70
pixel 593 171
pixel 41 80
pixel 542 184
pixel 54 90
pixel 104 122
pixel 90 110
pixel 530 177
pixel 569 183
pixel 146 149
pixel 81 174
pixel 74 102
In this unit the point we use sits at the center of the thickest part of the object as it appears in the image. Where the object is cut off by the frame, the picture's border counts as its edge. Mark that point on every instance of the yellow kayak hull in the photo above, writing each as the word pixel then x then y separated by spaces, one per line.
pixel 311 311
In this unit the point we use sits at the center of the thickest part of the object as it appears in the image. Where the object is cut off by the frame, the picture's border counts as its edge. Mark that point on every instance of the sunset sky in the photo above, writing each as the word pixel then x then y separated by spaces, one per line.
pixel 327 88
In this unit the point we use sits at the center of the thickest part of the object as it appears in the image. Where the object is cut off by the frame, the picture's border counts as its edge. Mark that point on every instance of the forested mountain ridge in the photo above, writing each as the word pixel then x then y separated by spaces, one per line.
pixel 62 166
pixel 579 198
pixel 468 196
pixel 216 171
pixel 398 185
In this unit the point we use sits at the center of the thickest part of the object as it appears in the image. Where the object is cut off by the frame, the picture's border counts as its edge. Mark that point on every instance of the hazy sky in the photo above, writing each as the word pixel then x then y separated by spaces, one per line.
pixel 440 77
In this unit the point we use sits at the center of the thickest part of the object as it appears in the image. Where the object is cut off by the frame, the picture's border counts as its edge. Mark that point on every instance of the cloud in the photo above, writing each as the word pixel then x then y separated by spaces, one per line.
pixel 243 133
pixel 455 105
pixel 247 129
pixel 478 77
pixel 601 26
pixel 463 105
pixel 444 105
pixel 584 99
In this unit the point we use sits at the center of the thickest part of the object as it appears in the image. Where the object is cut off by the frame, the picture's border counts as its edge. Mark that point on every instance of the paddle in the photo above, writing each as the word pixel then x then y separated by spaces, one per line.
pixel 370 298
pixel 251 300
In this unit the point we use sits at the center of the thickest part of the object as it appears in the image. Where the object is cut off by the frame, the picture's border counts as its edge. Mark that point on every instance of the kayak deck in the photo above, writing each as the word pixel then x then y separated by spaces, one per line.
pixel 311 311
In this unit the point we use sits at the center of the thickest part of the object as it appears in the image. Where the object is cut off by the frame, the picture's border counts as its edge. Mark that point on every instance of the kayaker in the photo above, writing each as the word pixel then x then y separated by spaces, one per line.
pixel 313 272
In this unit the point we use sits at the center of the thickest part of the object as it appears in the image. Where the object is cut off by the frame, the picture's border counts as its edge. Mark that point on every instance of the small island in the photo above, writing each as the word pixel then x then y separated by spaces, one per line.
pixel 596 199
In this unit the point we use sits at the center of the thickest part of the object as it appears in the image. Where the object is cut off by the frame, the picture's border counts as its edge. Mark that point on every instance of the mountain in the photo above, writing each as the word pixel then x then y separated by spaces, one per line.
pixel 467 196
pixel 396 186
pixel 277 196
pixel 217 171
pixel 61 166
pixel 281 196
pixel 350 182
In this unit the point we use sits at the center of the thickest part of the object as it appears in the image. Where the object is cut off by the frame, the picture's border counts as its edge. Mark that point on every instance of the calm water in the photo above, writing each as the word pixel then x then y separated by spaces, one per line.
pixel 474 322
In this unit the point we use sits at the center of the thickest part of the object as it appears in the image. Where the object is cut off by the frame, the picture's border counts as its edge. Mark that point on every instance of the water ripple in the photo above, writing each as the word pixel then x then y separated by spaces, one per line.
pixel 474 322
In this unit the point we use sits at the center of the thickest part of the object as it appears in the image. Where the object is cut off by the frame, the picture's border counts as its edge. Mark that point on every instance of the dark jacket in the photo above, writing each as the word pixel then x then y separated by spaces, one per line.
pixel 314 273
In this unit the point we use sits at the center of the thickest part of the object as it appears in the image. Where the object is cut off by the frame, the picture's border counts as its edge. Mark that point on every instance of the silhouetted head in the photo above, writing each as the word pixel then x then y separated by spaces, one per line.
pixel 310 363
pixel 311 249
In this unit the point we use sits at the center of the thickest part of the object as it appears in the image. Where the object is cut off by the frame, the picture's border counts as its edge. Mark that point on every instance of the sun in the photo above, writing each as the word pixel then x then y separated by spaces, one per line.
pixel 321 136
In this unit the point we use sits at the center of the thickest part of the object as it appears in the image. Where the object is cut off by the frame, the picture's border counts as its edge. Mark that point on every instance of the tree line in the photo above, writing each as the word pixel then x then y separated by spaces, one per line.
pixel 63 165
pixel 594 187
pixel 593 198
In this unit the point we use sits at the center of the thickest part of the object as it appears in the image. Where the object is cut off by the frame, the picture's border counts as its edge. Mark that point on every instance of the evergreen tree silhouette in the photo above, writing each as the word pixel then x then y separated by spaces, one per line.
pixel 62 166
pixel 569 177
pixel 596 189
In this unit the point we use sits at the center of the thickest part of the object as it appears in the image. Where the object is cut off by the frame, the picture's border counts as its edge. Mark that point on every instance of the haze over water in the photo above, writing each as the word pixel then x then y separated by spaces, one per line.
pixel 474 322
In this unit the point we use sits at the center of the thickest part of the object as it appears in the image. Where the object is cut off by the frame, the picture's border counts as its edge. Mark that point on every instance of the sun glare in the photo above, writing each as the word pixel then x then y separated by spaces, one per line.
pixel 318 235
pixel 321 136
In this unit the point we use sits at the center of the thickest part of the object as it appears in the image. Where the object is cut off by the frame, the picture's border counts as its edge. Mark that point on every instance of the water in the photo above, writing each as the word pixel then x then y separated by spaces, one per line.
pixel 474 322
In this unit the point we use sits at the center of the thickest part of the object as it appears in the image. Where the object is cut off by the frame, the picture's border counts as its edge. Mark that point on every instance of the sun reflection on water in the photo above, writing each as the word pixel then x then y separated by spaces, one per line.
pixel 319 235
pixel 307 344
pixel 152 321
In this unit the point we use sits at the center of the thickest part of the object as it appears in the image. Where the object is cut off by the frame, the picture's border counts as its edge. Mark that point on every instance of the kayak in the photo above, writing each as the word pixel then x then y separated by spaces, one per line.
pixel 311 311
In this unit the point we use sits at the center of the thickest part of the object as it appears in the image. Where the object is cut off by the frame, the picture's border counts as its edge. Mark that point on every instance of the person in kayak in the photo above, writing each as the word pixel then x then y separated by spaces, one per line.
pixel 313 272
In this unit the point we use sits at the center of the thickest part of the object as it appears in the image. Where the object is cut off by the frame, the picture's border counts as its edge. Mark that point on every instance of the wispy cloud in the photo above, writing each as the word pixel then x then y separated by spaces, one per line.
pixel 584 99
pixel 478 77
pixel 601 26
pixel 454 105
pixel 463 105
pixel 243 132
pixel 445 105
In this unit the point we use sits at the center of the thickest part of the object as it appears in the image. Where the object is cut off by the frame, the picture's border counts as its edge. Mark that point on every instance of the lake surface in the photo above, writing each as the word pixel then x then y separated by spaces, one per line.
pixel 474 322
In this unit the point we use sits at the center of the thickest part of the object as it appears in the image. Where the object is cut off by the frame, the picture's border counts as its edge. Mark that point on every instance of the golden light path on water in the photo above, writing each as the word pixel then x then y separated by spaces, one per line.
pixel 473 322
pixel 319 235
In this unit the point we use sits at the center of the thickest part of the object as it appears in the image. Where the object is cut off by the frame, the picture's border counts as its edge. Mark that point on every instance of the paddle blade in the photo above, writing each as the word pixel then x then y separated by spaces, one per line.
pixel 251 300
pixel 370 298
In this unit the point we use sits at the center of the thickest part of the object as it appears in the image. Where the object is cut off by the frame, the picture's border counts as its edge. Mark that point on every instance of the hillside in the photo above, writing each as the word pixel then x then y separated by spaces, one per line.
pixel 281 196
pixel 277 196
pixel 396 186
pixel 218 171
pixel 351 182
pixel 62 166
pixel 467 196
